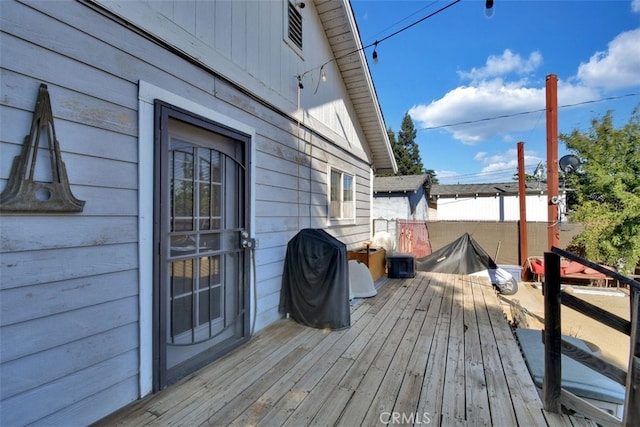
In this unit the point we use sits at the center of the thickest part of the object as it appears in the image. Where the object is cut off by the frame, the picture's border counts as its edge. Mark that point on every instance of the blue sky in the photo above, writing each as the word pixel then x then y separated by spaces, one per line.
pixel 460 66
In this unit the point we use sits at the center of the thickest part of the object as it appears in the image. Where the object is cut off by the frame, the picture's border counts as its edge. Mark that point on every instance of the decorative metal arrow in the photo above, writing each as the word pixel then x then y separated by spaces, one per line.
pixel 23 193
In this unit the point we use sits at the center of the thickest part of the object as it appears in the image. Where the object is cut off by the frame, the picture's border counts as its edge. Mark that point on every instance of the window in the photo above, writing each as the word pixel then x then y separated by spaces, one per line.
pixel 342 196
pixel 294 26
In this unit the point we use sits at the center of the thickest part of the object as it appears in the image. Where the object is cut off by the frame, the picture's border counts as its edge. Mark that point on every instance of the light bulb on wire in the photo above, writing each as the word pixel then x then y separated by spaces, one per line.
pixel 488 8
pixel 375 53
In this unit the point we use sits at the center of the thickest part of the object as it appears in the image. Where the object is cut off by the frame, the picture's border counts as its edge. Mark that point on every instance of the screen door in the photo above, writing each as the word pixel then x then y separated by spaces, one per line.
pixel 201 285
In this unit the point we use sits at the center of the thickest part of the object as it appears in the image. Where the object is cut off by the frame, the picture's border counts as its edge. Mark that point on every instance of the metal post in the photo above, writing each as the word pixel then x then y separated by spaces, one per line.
pixel 631 415
pixel 551 384
pixel 553 231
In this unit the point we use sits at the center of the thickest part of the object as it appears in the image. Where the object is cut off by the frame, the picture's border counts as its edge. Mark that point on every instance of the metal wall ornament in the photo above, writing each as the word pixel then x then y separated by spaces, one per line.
pixel 23 193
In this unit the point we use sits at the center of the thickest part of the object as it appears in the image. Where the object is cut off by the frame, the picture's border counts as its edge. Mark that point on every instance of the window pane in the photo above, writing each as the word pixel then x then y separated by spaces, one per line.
pixel 181 170
pixel 347 188
pixel 205 205
pixel 215 200
pixel 204 164
pixel 209 242
pixel 203 307
pixel 348 210
pixel 182 164
pixel 183 245
pixel 335 194
pixel 181 277
pixel 348 197
pixel 216 302
pixel 182 315
pixel 204 275
pixel 215 166
pixel 335 186
pixel 183 198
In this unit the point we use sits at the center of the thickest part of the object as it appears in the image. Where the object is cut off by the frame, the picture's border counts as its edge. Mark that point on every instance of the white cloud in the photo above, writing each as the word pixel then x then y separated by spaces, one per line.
pixel 496 108
pixel 635 6
pixel 502 65
pixel 492 106
pixel 487 100
pixel 501 162
pixel 505 163
pixel 497 167
pixel 619 66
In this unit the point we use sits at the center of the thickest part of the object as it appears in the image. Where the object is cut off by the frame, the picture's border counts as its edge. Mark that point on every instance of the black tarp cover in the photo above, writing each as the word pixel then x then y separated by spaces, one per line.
pixel 462 256
pixel 315 281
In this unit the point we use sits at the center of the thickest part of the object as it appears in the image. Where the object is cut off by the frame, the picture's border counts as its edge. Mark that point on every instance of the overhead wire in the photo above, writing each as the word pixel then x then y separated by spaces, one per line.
pixel 406 27
pixel 522 113
pixel 404 19
pixel 377 42
pixel 484 175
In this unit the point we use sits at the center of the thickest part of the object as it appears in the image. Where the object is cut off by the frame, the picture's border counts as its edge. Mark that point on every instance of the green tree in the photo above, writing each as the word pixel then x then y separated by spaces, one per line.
pixel 406 149
pixel 394 143
pixel 608 191
pixel 432 176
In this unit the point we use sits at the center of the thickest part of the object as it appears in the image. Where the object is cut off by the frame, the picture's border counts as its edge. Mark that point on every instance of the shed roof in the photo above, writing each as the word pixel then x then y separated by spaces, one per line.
pixel 507 188
pixel 399 184
pixel 342 33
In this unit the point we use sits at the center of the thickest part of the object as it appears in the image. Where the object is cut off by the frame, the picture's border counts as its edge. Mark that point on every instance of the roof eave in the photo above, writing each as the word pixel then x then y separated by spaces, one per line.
pixel 366 107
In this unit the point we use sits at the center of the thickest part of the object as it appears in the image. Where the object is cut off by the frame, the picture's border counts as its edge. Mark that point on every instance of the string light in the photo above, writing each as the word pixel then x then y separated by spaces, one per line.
pixel 375 52
pixel 488 8
pixel 323 78
pixel 375 45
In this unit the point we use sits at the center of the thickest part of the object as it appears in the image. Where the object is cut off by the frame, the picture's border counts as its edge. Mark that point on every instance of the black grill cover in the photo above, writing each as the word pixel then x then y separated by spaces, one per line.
pixel 315 281
pixel 462 256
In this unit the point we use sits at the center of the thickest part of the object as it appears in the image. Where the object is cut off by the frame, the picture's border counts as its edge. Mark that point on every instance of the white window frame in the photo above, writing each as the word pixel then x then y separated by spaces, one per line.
pixel 341 219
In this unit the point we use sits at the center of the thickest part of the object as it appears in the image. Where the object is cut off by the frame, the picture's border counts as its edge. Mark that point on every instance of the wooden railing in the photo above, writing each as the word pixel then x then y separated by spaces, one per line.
pixel 554 396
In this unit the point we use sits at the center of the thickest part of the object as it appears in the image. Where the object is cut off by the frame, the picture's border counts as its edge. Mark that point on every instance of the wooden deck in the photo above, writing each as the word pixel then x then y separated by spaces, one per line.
pixel 435 349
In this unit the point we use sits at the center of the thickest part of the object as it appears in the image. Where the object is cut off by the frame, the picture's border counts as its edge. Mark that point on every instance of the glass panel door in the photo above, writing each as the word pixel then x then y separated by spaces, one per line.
pixel 202 265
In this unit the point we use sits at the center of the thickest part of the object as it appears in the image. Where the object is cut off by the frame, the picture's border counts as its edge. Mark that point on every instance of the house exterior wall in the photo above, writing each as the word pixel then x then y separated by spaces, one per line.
pixel 246 42
pixel 405 205
pixel 75 291
pixel 490 208
pixel 390 207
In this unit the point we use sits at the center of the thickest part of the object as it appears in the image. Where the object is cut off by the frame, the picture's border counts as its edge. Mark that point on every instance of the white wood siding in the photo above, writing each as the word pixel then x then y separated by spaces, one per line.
pixel 491 208
pixel 399 205
pixel 245 41
pixel 69 294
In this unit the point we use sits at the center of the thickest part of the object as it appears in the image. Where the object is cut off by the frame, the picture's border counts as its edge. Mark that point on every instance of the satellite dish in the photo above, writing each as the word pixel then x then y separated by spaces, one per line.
pixel 569 163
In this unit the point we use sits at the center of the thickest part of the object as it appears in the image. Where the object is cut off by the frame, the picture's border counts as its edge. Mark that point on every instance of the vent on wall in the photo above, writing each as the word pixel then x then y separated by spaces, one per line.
pixel 295 26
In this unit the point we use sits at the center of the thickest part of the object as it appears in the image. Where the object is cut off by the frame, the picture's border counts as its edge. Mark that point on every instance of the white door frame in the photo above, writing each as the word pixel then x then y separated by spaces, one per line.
pixel 147 94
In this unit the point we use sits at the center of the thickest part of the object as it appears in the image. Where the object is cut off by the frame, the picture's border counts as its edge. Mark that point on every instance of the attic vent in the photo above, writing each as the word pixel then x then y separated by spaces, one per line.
pixel 295 26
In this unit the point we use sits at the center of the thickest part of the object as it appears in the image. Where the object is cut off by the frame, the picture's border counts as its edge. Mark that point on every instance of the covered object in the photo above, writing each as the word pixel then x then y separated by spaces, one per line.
pixel 465 256
pixel 315 281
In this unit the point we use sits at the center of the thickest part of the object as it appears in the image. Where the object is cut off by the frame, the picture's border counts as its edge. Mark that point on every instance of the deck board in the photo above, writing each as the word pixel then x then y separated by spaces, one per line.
pixel 435 349
pixel 476 383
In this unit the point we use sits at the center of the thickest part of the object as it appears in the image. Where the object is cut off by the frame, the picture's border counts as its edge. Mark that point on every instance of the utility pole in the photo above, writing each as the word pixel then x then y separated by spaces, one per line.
pixel 553 231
